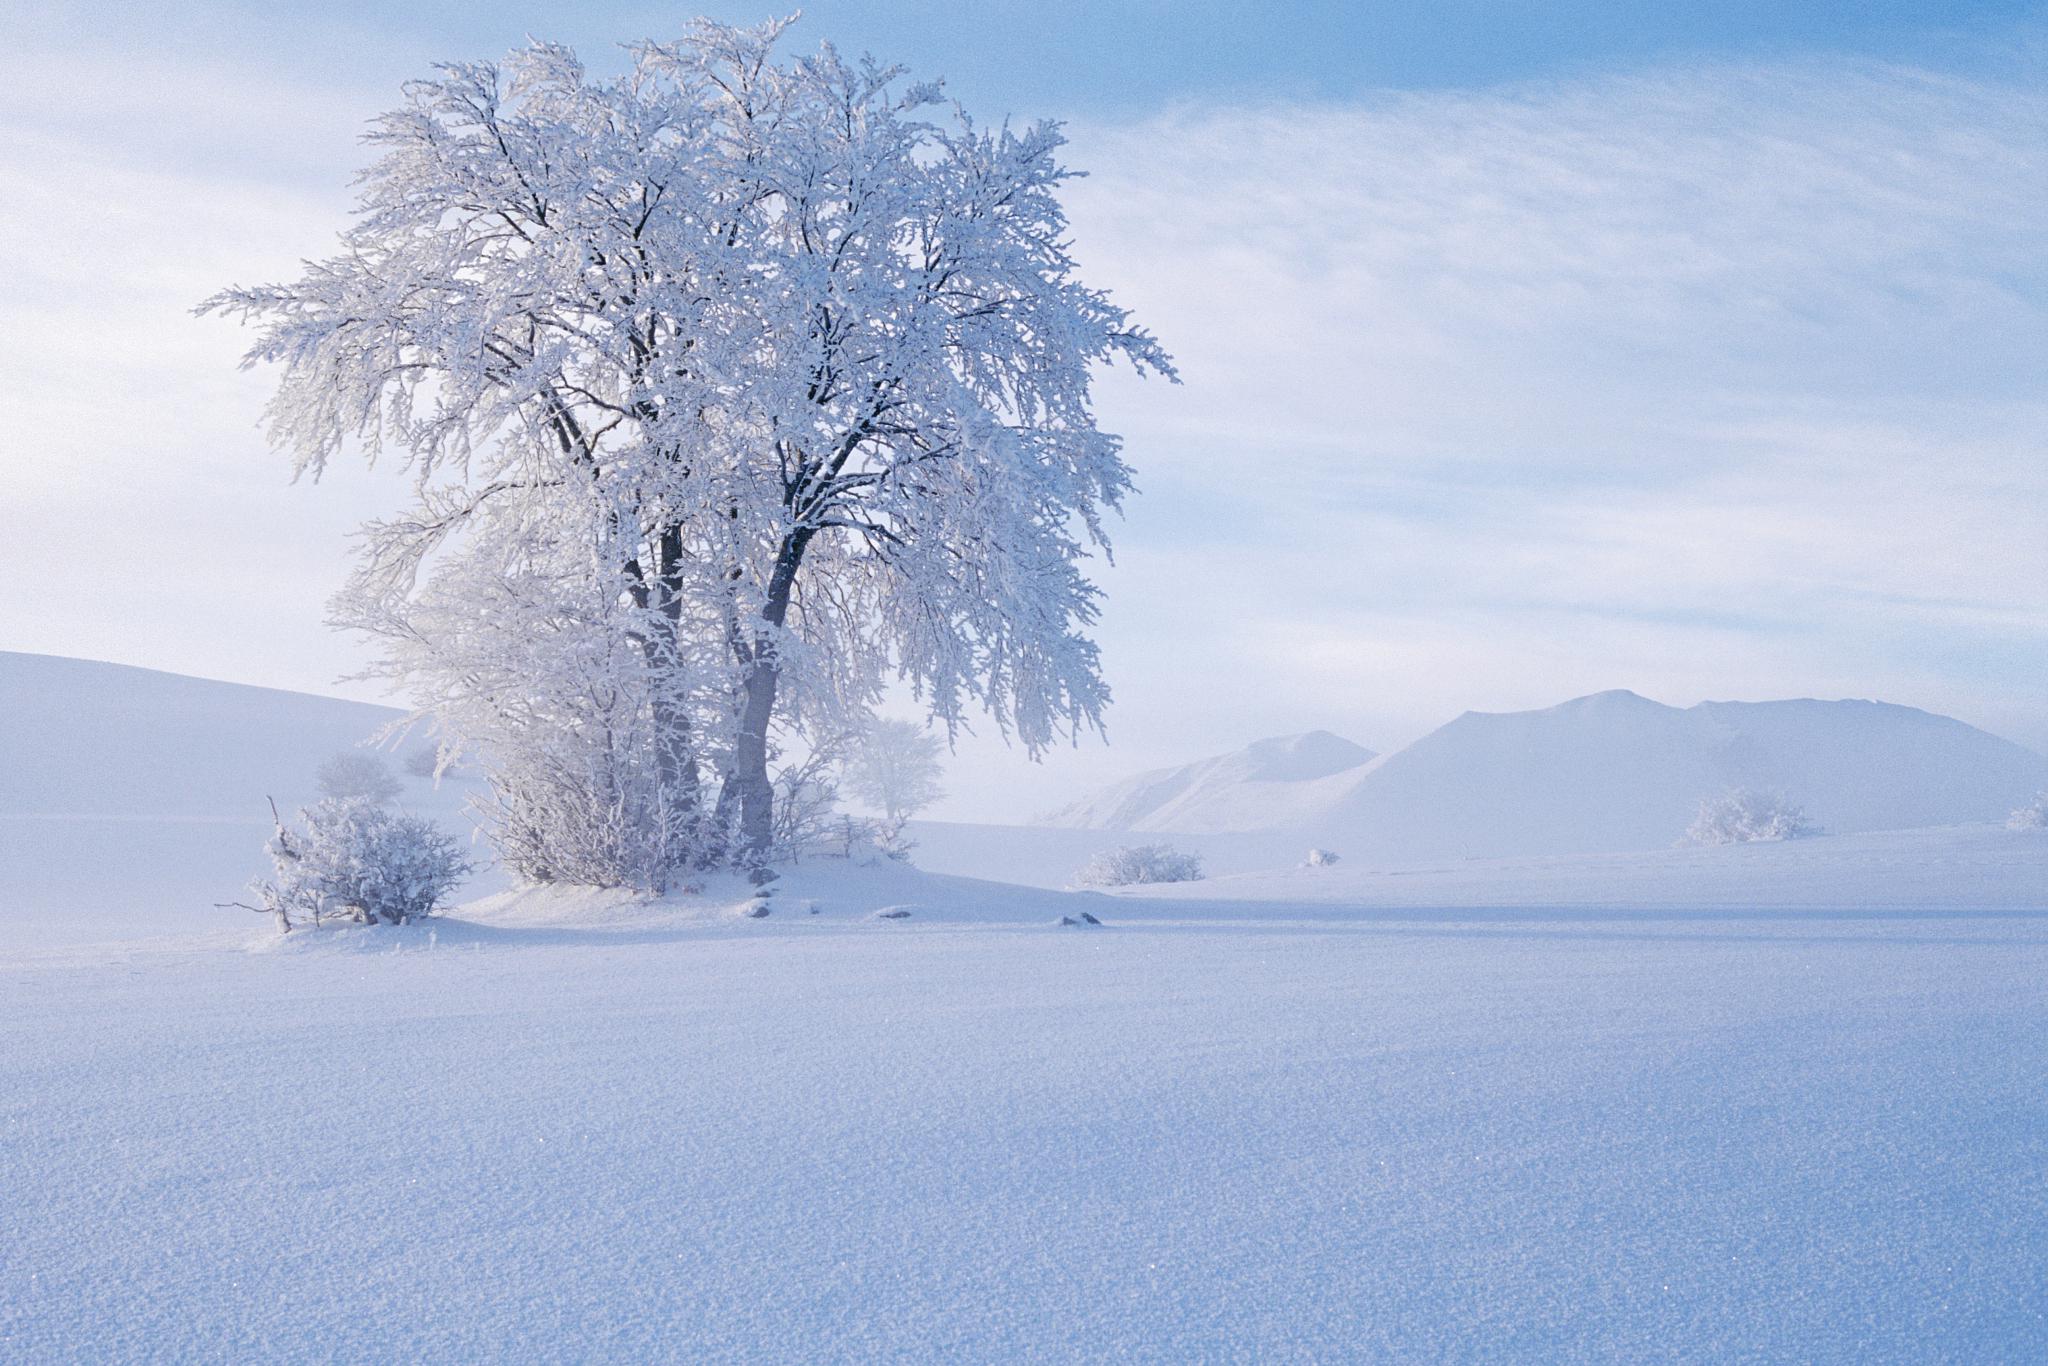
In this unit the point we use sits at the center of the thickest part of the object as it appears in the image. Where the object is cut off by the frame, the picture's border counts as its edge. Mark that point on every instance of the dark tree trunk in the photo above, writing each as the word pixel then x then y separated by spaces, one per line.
pixel 675 753
pixel 748 782
pixel 661 646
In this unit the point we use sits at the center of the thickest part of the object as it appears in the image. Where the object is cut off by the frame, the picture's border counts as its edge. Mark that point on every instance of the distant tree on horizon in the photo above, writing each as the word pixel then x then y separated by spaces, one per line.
pixel 894 767
pixel 1745 816
pixel 1138 864
pixel 358 774
pixel 2031 816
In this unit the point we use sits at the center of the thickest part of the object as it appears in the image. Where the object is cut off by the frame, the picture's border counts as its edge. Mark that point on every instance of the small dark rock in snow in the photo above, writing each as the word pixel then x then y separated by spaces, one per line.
pixel 893 913
pixel 1068 920
pixel 1089 916
pixel 756 910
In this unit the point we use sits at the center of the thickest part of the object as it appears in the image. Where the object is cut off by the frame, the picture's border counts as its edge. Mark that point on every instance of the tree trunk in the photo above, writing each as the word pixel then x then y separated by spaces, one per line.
pixel 754 793
pixel 763 675
pixel 675 746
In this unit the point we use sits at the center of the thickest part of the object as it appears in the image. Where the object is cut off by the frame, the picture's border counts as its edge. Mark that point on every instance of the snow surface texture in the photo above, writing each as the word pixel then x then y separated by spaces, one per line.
pixel 580 1128
pixel 1604 773
pixel 1274 1116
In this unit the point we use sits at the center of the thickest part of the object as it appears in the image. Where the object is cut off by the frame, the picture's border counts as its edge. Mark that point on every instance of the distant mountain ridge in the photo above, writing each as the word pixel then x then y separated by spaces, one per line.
pixel 1610 772
pixel 1615 771
pixel 1267 785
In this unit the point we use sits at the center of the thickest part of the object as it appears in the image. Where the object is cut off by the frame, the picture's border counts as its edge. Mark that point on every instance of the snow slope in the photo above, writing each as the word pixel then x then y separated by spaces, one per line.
pixel 1615 771
pixel 81 737
pixel 128 795
pixel 1274 784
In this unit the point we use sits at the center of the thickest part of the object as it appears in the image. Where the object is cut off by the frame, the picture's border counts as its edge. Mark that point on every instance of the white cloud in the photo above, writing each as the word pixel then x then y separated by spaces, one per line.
pixel 1721 382
pixel 1712 382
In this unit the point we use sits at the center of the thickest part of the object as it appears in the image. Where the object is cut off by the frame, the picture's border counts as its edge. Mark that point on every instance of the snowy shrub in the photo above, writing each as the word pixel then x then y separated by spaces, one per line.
pixel 422 761
pixel 1744 816
pixel 358 861
pixel 2032 816
pixel 354 773
pixel 1138 863
pixel 804 799
pixel 1320 858
pixel 570 811
pixel 894 767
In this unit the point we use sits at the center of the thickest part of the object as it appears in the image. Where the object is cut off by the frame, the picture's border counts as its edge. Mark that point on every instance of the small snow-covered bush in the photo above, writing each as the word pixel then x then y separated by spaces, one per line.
pixel 1320 858
pixel 1138 863
pixel 1745 816
pixel 356 860
pixel 354 773
pixel 2032 816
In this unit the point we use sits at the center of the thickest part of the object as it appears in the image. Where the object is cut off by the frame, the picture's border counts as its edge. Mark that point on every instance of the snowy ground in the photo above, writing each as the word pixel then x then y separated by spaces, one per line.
pixel 1265 1119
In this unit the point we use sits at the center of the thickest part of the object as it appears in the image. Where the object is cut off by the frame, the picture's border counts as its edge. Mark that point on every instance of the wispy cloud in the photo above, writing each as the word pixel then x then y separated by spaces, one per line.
pixel 1711 381
pixel 1721 381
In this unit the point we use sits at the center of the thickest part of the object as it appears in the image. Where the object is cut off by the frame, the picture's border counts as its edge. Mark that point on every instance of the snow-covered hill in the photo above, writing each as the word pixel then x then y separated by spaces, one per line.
pixel 81 737
pixel 1616 771
pixel 1605 773
pixel 1274 784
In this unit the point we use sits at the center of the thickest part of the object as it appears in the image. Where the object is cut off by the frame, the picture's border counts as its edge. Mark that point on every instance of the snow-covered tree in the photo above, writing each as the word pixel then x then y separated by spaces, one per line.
pixel 1746 815
pixel 775 372
pixel 894 767
pixel 355 859
pixel 2032 816
pixel 358 773
pixel 1139 863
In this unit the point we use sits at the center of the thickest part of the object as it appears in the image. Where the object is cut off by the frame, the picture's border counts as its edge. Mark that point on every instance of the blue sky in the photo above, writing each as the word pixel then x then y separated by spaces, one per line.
pixel 1067 57
pixel 1531 349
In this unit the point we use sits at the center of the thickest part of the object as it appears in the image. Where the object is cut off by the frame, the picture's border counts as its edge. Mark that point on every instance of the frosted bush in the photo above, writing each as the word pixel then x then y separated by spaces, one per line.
pixel 1136 864
pixel 572 809
pixel 1745 816
pixel 356 860
pixel 1320 858
pixel 2032 816
pixel 354 773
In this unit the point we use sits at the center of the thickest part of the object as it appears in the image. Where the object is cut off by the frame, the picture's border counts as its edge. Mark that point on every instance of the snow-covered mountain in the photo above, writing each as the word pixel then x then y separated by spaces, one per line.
pixel 81 737
pixel 1616 771
pixel 1270 785
pixel 1606 773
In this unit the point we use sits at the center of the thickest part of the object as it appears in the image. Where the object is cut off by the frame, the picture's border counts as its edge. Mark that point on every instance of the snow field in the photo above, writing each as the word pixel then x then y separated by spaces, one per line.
pixel 591 1127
